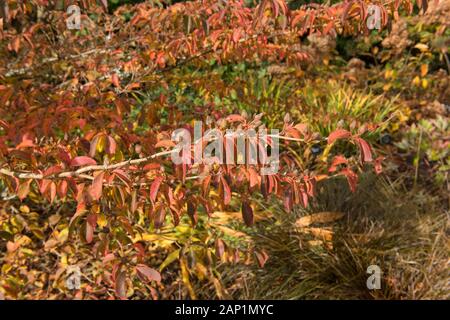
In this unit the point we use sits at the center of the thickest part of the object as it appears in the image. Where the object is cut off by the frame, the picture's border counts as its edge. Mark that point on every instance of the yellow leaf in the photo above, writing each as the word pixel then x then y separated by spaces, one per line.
pixel 6 268
pixel 321 217
pixel 24 209
pixel 422 47
pixel 63 235
pixel 64 261
pixel 416 81
pixel 202 272
pixel 170 258
pixel 424 83
pixel 186 280
pixel 101 220
pixel 388 74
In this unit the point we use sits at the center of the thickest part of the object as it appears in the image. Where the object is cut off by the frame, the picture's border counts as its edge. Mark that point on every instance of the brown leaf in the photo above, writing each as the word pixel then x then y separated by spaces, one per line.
pixel 160 218
pixel 121 285
pixel 247 213
pixel 192 212
pixel 220 248
pixel 24 189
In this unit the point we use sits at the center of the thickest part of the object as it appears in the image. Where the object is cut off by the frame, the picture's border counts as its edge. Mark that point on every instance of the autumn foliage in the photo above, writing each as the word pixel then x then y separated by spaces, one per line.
pixel 72 136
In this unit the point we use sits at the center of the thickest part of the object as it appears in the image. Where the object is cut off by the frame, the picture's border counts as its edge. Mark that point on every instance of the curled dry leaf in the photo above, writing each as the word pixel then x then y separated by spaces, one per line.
pixel 321 217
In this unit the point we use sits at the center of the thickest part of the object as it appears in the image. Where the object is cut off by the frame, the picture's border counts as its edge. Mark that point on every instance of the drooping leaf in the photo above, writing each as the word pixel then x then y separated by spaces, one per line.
pixel 366 151
pixel 121 285
pixel 226 191
pixel 97 186
pixel 155 187
pixel 247 213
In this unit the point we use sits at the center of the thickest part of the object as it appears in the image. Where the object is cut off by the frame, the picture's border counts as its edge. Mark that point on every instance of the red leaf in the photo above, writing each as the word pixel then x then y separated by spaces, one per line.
pixel 110 145
pixel 366 152
pixel 338 134
pixel 337 160
pixel 150 273
pixel 62 188
pixel 52 192
pixel 377 165
pixel 155 187
pixel 226 191
pixel 91 223
pixel 52 170
pixel 82 161
pixel 352 178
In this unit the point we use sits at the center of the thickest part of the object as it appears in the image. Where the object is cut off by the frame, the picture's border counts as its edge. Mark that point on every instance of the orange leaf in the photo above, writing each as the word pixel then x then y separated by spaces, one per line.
pixel 115 80
pixel 97 186
pixel 165 144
